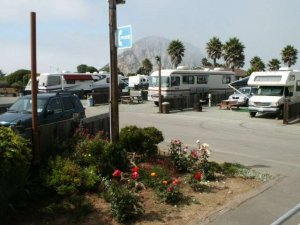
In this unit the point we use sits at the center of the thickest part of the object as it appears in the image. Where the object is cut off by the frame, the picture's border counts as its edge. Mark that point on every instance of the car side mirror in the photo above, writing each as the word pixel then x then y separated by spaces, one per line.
pixel 50 112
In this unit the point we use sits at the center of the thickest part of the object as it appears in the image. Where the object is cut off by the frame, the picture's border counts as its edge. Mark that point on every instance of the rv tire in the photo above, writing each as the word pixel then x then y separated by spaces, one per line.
pixel 252 114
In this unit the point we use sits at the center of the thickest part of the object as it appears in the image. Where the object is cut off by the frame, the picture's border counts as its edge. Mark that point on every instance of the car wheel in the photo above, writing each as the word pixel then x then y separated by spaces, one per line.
pixel 280 114
pixel 252 114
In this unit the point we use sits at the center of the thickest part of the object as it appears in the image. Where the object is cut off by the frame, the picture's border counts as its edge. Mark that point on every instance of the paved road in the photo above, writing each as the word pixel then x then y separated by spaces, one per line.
pixel 262 143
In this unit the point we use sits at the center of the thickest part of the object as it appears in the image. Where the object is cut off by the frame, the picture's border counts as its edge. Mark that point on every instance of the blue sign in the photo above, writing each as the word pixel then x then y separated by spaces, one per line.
pixel 124 37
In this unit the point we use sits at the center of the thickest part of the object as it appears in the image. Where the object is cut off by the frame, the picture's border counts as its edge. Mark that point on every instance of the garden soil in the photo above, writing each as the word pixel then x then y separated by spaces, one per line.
pixel 202 207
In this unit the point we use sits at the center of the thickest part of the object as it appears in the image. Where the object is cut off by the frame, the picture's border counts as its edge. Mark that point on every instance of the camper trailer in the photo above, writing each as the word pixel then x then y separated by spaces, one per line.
pixel 184 82
pixel 273 88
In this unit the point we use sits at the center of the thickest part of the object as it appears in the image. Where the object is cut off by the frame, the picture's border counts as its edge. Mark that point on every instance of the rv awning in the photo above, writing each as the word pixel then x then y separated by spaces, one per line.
pixel 240 83
pixel 78 77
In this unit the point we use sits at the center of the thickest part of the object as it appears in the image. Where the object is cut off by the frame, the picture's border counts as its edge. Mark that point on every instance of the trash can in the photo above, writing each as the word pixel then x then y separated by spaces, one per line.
pixel 165 107
pixel 90 102
pixel 197 107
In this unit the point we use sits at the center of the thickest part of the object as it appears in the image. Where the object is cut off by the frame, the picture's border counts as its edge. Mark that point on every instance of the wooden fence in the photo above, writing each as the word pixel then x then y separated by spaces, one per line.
pixel 291 112
pixel 52 136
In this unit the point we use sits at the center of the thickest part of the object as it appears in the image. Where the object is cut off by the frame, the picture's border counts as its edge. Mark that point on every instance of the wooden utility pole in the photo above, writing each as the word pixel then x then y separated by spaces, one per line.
pixel 158 59
pixel 114 105
pixel 35 134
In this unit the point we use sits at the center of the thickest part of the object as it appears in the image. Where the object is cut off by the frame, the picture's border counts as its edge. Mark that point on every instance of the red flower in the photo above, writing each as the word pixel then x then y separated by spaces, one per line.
pixel 135 169
pixel 176 181
pixel 170 189
pixel 198 175
pixel 135 175
pixel 117 173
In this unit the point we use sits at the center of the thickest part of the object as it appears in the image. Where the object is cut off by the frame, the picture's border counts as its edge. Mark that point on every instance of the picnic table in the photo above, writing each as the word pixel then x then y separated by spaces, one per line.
pixel 134 97
pixel 229 104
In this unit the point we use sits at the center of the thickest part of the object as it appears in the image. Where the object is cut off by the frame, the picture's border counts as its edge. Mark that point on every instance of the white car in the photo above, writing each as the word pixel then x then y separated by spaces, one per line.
pixel 243 94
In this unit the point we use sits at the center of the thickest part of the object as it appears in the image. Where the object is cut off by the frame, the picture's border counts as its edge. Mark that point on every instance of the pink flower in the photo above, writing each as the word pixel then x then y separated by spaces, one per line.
pixel 135 175
pixel 194 153
pixel 117 173
pixel 135 169
pixel 170 189
pixel 198 175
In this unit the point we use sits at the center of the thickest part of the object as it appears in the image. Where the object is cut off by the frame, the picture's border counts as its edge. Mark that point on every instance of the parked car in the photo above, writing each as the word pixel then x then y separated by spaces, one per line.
pixel 243 94
pixel 51 107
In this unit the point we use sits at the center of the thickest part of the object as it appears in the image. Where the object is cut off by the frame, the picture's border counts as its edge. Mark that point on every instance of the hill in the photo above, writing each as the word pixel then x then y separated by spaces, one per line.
pixel 130 60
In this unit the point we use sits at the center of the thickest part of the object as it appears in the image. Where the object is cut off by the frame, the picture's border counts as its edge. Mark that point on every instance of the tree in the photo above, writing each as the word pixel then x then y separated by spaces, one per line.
pixel 20 76
pixel 146 67
pixel 214 49
pixel 205 62
pixel 257 64
pixel 83 68
pixel 176 52
pixel 274 64
pixel 1 73
pixel 233 53
pixel 289 55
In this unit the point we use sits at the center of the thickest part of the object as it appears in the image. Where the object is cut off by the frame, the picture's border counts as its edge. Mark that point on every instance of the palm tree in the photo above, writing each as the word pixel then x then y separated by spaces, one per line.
pixel 205 62
pixel 214 49
pixel 274 64
pixel 257 64
pixel 233 53
pixel 176 52
pixel 147 65
pixel 289 55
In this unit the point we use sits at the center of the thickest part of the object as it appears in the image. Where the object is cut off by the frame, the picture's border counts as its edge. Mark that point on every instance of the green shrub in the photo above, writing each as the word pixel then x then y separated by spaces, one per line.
pixel 210 169
pixel 141 140
pixel 124 204
pixel 114 156
pixel 15 161
pixel 68 178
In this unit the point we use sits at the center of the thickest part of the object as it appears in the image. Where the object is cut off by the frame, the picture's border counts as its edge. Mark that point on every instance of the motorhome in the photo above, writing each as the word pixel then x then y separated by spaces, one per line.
pixel 185 82
pixel 138 81
pixel 66 81
pixel 273 88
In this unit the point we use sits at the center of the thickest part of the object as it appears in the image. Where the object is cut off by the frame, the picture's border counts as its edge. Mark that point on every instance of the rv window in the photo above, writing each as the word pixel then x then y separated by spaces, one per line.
pixel 201 79
pixel 226 79
pixel 70 81
pixel 188 79
pixel 270 91
pixel 53 80
pixel 175 81
pixel 298 85
pixel 154 81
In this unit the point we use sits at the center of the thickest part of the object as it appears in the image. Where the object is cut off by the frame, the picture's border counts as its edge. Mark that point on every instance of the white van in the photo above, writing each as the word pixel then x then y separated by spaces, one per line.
pixel 273 88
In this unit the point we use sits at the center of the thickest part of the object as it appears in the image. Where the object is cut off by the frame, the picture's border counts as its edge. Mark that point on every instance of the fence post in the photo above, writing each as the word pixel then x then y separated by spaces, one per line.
pixel 286 111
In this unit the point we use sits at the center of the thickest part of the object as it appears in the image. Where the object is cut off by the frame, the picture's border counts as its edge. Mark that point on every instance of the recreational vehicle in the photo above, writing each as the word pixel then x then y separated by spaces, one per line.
pixel 183 82
pixel 53 82
pixel 138 81
pixel 273 88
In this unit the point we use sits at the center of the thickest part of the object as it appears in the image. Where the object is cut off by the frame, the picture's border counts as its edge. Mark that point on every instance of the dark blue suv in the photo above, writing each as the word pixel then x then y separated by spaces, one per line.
pixel 51 107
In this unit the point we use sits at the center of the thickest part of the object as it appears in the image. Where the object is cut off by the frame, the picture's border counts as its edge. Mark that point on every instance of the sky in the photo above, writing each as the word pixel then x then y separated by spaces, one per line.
pixel 74 32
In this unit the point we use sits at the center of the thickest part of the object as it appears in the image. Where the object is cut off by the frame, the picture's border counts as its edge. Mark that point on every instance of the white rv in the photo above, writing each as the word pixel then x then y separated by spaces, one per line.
pixel 183 82
pixel 273 88
pixel 53 82
pixel 140 81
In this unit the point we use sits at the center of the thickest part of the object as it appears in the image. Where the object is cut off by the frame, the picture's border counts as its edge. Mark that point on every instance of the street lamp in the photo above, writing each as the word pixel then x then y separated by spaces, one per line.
pixel 158 60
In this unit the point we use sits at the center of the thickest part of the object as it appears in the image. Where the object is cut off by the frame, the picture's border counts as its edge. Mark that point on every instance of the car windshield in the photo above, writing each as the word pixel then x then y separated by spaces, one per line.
pixel 25 105
pixel 154 81
pixel 270 91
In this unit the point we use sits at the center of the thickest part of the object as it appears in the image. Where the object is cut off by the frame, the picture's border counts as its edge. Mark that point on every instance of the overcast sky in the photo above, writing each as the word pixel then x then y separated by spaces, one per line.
pixel 73 32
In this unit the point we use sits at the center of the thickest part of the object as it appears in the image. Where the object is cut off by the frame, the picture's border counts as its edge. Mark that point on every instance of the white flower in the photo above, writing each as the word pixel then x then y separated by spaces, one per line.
pixel 198 141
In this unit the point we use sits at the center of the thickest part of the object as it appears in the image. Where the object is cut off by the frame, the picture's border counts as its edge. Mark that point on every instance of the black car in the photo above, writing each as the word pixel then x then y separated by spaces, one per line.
pixel 51 107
